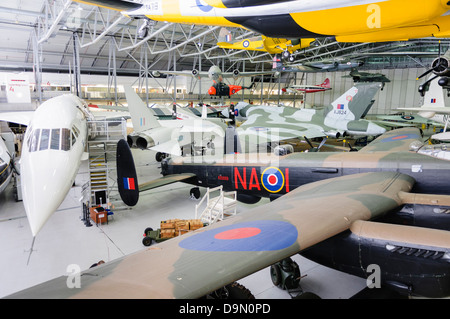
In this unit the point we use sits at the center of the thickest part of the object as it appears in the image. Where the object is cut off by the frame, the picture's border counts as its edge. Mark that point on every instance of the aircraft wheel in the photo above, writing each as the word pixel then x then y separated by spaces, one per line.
pixel 291 58
pixel 275 275
pixel 195 192
pixel 147 241
pixel 159 156
pixel 232 291
pixel 286 54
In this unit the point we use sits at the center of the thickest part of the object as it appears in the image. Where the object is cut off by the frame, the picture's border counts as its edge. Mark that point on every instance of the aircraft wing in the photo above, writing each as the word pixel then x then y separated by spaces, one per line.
pixel 395 140
pixel 23 117
pixel 165 180
pixel 274 127
pixel 201 261
pixel 439 110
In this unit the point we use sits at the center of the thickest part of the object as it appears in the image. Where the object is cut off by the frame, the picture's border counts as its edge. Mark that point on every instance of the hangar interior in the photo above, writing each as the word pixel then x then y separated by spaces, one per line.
pixel 60 46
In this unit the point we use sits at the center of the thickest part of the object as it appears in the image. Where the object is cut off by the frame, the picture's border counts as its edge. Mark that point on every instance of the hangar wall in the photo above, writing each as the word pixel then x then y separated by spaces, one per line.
pixel 402 91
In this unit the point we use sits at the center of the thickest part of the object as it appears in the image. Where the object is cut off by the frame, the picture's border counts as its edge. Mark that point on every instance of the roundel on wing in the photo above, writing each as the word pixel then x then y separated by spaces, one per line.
pixel 272 179
pixel 259 235
pixel 408 117
pixel 400 137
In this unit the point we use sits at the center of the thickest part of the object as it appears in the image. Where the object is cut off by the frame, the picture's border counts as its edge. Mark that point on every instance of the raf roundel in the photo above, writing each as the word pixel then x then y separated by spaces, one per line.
pixel 259 235
pixel 272 179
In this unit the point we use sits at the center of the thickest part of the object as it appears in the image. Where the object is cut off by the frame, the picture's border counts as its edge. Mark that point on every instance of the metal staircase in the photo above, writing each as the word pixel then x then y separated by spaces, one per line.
pixel 101 188
pixel 218 207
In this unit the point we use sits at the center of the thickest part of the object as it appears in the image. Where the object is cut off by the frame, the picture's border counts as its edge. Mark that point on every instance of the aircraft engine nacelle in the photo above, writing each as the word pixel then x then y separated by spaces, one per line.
pixel 282 150
pixel 441 66
pixel 247 199
pixel 156 74
pixel 144 142
pixel 444 81
pixel 334 134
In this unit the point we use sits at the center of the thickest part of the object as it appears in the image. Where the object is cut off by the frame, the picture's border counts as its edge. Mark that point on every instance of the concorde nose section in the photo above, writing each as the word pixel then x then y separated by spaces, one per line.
pixel 46 179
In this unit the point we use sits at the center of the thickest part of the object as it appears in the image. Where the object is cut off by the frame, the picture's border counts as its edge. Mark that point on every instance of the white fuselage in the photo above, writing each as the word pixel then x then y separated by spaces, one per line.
pixel 51 154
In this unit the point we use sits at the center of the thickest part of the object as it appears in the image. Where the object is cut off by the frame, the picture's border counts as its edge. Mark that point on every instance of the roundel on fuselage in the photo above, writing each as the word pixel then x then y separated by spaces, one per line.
pixel 240 3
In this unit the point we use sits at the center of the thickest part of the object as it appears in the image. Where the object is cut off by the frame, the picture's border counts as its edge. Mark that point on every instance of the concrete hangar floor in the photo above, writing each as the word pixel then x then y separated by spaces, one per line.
pixel 65 240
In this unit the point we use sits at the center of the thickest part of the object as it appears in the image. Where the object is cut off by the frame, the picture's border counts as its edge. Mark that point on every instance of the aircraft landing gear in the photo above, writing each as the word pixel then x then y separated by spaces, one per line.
pixel 160 156
pixel 285 274
pixel 195 193
pixel 288 56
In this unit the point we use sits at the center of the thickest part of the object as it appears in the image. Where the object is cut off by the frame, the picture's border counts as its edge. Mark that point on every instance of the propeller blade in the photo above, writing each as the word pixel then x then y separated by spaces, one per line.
pixel 321 143
pixel 307 140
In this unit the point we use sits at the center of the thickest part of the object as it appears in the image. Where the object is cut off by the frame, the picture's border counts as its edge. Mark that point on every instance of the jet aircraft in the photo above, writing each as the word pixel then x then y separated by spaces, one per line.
pixel 338 209
pixel 169 137
pixel 325 86
pixel 342 118
pixel 347 21
pixel 53 148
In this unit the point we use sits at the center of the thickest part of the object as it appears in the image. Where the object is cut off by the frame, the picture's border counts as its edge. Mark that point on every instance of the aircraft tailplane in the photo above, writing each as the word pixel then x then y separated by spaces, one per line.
pixel 353 103
pixel 141 117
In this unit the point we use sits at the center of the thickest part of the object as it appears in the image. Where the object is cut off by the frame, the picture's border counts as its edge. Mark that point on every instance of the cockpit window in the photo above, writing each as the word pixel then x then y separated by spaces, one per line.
pixel 54 139
pixel 56 133
pixel 34 140
pixel 65 139
pixel 45 138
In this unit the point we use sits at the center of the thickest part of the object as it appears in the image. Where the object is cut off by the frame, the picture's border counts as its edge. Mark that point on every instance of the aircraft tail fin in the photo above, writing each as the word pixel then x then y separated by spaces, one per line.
pixel 225 41
pixel 434 97
pixel 326 84
pixel 353 103
pixel 141 117
pixel 127 182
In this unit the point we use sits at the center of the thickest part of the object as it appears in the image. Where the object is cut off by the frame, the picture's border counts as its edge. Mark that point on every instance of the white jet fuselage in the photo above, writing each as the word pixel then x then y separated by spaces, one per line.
pixel 54 143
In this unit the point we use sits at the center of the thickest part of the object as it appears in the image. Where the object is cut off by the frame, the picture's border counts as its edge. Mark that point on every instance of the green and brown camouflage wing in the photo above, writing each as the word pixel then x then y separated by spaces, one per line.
pixel 194 264
pixel 396 141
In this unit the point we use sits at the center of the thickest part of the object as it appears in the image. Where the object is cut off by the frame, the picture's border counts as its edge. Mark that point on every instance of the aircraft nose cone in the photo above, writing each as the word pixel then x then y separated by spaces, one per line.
pixel 46 181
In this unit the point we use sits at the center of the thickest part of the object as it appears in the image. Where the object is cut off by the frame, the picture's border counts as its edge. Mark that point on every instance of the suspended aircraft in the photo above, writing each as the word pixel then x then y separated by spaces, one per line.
pixel 359 76
pixel 325 86
pixel 347 21
pixel 335 208
pixel 286 47
pixel 314 67
pixel 53 148
pixel 219 88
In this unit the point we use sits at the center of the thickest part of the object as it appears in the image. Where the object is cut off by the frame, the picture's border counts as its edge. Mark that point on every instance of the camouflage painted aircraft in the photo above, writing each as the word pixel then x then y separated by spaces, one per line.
pixel 432 112
pixel 265 123
pixel 315 66
pixel 358 76
pixel 348 21
pixel 334 209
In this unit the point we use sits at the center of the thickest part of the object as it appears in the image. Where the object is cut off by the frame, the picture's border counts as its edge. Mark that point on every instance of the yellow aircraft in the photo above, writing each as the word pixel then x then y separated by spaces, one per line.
pixel 347 20
pixel 262 43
